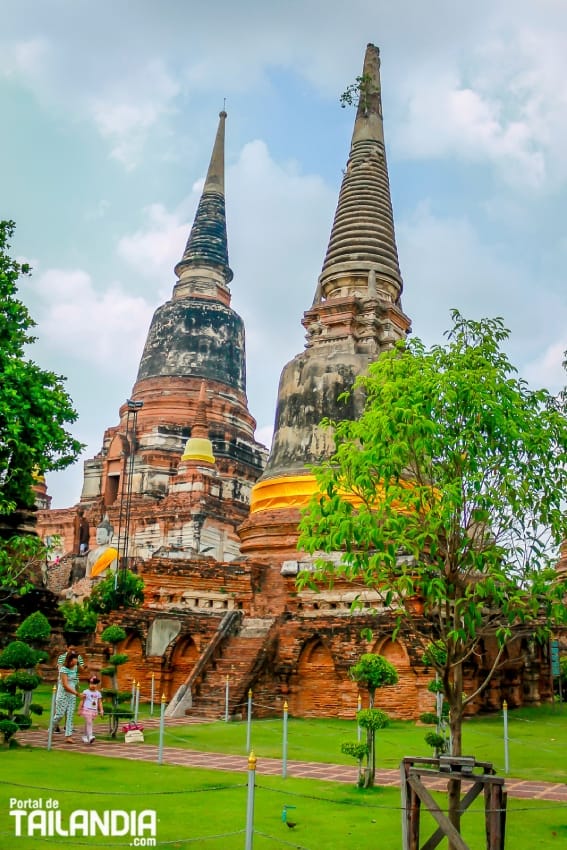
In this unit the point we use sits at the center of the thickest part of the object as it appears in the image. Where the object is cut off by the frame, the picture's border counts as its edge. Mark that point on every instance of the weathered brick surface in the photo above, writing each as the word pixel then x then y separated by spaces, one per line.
pixel 303 658
pixel 171 668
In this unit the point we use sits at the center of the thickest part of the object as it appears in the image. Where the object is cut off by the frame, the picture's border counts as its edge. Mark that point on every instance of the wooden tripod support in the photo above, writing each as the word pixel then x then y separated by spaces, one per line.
pixel 414 793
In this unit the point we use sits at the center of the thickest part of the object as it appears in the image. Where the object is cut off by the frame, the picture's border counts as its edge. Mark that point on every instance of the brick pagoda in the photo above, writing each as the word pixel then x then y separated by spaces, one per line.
pixel 211 527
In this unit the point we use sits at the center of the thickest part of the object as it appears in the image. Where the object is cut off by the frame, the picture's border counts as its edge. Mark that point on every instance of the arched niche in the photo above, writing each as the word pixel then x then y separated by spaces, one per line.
pixel 114 468
pixel 315 690
pixel 393 650
pixel 135 668
pixel 400 700
pixel 183 659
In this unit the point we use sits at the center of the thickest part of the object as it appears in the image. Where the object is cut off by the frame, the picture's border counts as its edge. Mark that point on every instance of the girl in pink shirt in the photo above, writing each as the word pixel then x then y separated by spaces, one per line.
pixel 91 705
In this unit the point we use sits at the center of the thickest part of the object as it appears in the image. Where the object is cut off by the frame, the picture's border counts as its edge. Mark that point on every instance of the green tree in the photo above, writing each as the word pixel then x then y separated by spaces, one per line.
pixel 17 686
pixel 126 590
pixel 359 93
pixel 373 672
pixel 449 490
pixel 35 631
pixel 34 406
pixel 79 619
pixel 21 558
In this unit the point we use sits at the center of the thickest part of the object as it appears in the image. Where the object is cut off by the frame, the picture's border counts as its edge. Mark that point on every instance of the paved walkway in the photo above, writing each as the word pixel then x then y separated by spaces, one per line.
pixel 519 788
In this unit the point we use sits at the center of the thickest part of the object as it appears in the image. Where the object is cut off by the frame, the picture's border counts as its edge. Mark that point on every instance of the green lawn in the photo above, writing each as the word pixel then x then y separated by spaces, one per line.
pixel 537 745
pixel 200 809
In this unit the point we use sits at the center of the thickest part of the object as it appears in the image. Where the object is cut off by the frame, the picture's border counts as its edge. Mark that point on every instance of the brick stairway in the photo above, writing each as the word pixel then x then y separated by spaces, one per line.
pixel 242 654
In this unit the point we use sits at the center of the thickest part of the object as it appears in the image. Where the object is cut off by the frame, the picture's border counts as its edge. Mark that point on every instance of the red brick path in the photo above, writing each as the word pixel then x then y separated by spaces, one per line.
pixel 520 788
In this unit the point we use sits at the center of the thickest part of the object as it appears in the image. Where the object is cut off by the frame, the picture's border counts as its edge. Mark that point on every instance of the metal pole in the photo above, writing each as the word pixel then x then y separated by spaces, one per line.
pixel 132 450
pixel 358 708
pixel 137 703
pixel 51 716
pixel 284 747
pixel 249 721
pixel 250 802
pixel 133 697
pixel 551 677
pixel 161 730
pixel 506 755
pixel 127 474
pixel 152 694
pixel 226 696
pixel 120 542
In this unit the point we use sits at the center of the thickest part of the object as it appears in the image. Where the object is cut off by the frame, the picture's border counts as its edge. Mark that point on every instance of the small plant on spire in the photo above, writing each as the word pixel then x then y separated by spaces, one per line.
pixel 359 93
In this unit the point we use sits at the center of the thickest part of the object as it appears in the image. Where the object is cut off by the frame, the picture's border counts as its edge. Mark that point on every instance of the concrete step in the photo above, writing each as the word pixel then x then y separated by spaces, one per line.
pixel 255 627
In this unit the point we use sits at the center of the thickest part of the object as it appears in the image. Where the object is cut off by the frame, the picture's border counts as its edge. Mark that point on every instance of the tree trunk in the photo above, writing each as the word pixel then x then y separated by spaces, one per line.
pixel 113 719
pixel 27 697
pixel 370 759
pixel 456 723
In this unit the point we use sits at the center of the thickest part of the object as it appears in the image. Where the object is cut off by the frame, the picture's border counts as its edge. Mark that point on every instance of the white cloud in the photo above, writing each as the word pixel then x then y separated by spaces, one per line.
pixel 547 370
pixel 93 336
pixel 481 82
pixel 25 59
pixel 154 249
pixel 498 101
pixel 279 222
pixel 131 106
pixel 100 328
pixel 447 264
pixel 446 119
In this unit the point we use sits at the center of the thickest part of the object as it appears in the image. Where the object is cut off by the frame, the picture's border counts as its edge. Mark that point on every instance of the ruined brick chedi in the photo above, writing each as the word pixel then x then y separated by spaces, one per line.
pixel 356 312
pixel 183 495
pixel 211 531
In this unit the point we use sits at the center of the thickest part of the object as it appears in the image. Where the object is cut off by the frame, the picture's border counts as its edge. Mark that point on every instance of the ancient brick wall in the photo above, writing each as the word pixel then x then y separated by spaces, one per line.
pixel 203 583
pixel 170 668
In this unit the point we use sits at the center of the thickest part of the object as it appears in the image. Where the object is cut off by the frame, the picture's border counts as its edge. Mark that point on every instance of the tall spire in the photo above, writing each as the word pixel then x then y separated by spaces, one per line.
pixel 207 244
pixel 215 174
pixel 197 334
pixel 356 313
pixel 362 237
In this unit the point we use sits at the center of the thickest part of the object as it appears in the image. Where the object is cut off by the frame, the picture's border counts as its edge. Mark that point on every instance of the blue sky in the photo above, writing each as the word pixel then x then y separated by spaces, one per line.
pixel 109 113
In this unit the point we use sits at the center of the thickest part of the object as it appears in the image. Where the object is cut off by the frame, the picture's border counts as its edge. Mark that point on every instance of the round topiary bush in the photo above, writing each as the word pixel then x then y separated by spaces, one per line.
pixel 8 729
pixel 18 655
pixel 22 721
pixel 34 629
pixel 113 634
pixel 429 718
